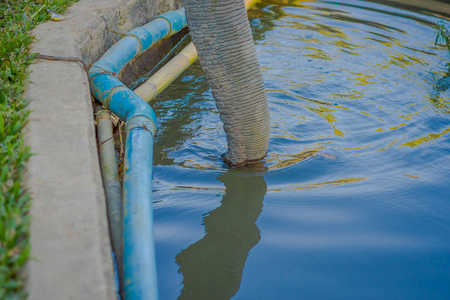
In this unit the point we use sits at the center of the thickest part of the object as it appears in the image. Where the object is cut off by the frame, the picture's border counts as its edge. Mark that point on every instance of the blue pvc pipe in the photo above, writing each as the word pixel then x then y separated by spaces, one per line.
pixel 103 74
pixel 140 280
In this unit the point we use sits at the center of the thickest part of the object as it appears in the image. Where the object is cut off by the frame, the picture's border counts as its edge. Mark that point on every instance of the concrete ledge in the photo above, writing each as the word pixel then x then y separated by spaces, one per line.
pixel 71 253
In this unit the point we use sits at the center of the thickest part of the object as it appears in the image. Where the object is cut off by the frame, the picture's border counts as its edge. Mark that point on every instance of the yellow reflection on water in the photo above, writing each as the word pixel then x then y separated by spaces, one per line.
pixel 330 31
pixel 287 160
pixel 348 95
pixel 357 148
pixel 338 182
pixel 326 113
pixel 363 79
pixel 411 176
pixel 346 45
pixel 322 102
pixel 397 127
pixel 429 138
pixel 391 144
pixel 408 116
pixel 385 43
pixel 401 60
pixel 279 133
pixel 295 3
pixel 440 103
pixel 316 53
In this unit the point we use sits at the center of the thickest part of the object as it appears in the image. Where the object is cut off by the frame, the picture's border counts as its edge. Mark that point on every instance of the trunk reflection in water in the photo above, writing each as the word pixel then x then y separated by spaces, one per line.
pixel 212 267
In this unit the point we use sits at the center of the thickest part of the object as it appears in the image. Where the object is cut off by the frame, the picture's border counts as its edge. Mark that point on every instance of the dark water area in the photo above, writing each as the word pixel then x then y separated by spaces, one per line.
pixel 353 200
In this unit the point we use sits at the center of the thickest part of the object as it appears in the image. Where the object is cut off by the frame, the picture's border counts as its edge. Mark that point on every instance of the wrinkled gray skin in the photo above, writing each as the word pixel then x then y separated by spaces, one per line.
pixel 221 33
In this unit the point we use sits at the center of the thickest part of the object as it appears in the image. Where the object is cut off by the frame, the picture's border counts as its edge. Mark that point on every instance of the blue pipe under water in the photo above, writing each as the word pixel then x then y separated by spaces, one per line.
pixel 140 281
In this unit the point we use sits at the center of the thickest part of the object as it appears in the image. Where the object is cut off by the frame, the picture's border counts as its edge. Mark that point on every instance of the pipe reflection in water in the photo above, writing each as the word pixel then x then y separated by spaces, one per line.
pixel 212 267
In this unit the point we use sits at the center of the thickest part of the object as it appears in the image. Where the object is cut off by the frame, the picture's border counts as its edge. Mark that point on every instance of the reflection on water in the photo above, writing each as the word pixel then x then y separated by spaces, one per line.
pixel 212 267
pixel 355 184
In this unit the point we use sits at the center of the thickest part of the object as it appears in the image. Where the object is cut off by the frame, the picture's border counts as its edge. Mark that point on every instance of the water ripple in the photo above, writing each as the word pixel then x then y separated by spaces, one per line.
pixel 357 169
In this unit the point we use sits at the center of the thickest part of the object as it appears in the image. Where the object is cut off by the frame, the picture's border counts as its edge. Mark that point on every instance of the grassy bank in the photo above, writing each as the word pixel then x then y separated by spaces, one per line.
pixel 17 18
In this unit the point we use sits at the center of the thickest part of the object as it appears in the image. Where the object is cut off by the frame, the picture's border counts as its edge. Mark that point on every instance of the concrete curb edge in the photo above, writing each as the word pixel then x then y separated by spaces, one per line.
pixel 71 252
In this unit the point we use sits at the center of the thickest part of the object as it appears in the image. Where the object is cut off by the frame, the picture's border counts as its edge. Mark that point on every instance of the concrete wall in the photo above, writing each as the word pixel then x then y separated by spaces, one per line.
pixel 71 253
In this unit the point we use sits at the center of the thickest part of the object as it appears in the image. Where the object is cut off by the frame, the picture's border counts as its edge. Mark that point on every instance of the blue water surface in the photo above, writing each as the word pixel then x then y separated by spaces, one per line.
pixel 353 200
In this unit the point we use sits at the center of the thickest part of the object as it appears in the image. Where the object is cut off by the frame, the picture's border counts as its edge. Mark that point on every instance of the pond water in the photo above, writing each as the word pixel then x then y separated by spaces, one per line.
pixel 353 200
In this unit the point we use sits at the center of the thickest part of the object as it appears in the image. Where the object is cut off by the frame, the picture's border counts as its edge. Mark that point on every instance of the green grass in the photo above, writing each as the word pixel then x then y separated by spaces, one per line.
pixel 443 38
pixel 17 18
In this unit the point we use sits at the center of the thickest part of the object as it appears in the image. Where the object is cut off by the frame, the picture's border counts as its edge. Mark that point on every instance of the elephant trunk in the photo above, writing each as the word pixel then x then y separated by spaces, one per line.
pixel 221 32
